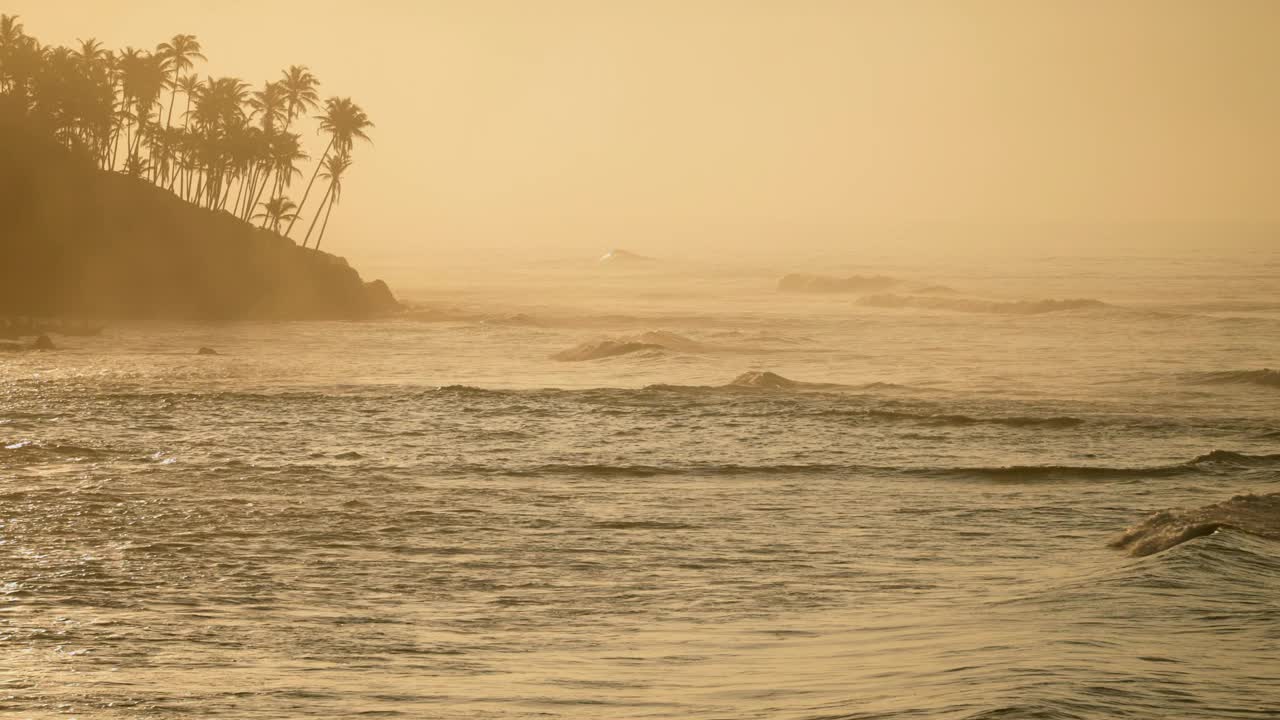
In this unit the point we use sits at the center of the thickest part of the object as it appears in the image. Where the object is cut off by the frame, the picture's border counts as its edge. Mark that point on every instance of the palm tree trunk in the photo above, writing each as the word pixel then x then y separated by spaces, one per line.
pixel 308 192
pixel 325 224
pixel 262 174
pixel 317 217
pixel 265 181
pixel 239 206
pixel 168 122
pixel 226 194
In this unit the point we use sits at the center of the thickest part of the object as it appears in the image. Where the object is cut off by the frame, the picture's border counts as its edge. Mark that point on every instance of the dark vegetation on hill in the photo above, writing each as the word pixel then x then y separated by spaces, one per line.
pixel 76 240
pixel 113 205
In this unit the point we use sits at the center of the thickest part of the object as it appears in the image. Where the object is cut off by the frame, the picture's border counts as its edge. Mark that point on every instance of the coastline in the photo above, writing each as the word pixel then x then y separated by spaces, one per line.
pixel 81 242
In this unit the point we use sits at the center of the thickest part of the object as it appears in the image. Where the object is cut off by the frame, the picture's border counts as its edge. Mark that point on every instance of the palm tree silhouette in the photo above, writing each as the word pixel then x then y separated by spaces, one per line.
pixel 275 211
pixel 344 121
pixel 178 55
pixel 334 167
pixel 301 91
pixel 234 146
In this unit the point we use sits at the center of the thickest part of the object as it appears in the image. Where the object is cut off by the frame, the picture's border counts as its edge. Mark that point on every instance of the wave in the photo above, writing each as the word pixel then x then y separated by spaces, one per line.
pixel 1214 461
pixel 967 420
pixel 764 337
pixel 1013 307
pixel 753 380
pixel 600 349
pixel 1254 514
pixel 1229 457
pixel 24 448
pixel 653 340
pixel 806 283
pixel 1264 377
pixel 765 380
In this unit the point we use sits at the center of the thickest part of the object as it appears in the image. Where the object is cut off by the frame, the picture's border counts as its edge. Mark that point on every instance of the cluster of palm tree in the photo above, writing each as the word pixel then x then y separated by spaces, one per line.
pixel 228 147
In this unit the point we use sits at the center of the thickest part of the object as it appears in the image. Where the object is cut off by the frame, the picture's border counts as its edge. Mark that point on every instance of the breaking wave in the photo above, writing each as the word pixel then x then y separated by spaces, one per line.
pixel 1014 307
pixel 1264 377
pixel 754 380
pixel 967 420
pixel 653 340
pixel 1254 514
pixel 1211 462
pixel 600 349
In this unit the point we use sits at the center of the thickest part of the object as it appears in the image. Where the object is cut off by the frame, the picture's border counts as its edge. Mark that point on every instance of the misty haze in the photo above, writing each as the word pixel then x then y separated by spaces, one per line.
pixel 566 359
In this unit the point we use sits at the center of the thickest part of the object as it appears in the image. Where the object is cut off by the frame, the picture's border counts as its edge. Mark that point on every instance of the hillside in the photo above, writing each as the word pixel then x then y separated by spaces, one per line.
pixel 79 241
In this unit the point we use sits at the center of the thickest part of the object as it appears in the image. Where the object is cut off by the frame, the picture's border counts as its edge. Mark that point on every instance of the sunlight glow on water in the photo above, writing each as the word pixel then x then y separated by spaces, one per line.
pixel 435 519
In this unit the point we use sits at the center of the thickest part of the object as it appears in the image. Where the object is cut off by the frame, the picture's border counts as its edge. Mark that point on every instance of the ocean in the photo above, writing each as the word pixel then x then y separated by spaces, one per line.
pixel 730 502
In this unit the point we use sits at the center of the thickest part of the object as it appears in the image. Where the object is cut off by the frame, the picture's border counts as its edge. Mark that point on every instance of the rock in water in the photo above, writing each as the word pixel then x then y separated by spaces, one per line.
pixel 379 298
pixel 767 380
pixel 206 351
pixel 623 257
pixel 44 343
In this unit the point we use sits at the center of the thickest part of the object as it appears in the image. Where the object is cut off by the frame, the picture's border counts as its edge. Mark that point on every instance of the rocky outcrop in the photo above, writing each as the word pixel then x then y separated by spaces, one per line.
pixel 623 257
pixel 81 242
pixel 764 379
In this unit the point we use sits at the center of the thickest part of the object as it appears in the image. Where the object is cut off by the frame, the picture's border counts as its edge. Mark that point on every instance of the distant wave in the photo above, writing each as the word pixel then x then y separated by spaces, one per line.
pixel 763 337
pixel 1014 307
pixel 966 420
pixel 1255 514
pixel 601 349
pixel 45 450
pixel 1217 460
pixel 1265 377
pixel 754 380
pixel 936 290
pixel 806 283
pixel 772 381
pixel 653 340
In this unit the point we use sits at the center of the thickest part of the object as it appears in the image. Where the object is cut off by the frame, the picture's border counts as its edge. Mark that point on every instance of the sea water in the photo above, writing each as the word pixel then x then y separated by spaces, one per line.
pixel 430 517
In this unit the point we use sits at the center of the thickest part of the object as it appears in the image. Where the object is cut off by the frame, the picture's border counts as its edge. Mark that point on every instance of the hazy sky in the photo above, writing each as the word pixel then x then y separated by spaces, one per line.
pixel 546 117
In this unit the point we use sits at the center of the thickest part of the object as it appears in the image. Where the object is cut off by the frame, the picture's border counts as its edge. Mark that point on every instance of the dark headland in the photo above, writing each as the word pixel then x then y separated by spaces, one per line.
pixel 132 188
pixel 76 240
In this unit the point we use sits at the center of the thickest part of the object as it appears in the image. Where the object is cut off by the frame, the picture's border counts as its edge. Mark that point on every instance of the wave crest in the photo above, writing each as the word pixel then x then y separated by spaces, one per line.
pixel 966 420
pixel 1008 307
pixel 652 341
pixel 806 283
pixel 1264 377
pixel 1255 514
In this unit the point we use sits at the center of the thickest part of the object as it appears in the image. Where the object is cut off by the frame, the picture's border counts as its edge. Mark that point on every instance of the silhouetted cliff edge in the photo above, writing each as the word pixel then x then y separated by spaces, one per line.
pixel 76 240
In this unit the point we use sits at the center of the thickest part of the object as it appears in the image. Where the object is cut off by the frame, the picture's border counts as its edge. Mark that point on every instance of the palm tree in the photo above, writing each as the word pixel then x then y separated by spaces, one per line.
pixel 269 106
pixel 334 167
pixel 275 211
pixel 189 85
pixel 345 122
pixel 179 54
pixel 301 92
pixel 11 37
pixel 233 148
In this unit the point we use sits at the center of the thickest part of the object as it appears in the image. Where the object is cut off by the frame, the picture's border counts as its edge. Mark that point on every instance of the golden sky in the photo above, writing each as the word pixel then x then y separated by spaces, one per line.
pixel 547 116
